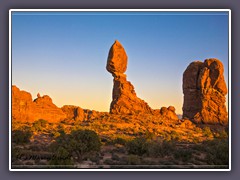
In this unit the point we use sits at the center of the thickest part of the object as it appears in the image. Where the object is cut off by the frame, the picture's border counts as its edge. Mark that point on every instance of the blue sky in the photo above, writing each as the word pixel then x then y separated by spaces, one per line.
pixel 64 54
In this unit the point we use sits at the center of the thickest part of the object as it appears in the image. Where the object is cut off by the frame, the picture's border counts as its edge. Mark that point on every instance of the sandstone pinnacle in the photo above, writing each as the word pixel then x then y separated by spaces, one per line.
pixel 124 98
pixel 204 90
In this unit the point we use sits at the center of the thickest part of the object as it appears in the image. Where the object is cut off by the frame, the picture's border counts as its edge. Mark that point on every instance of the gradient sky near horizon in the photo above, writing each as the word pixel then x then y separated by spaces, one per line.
pixel 64 54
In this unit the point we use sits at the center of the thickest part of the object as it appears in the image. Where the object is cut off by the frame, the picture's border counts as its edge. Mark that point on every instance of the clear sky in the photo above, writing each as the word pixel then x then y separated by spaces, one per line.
pixel 64 54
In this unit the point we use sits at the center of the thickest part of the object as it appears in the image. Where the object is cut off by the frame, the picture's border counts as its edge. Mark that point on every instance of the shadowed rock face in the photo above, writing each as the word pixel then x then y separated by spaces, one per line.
pixel 124 98
pixel 204 90
pixel 24 109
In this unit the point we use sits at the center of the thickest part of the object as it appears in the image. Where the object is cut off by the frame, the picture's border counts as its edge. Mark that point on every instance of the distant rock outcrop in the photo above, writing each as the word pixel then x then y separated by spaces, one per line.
pixel 74 112
pixel 166 113
pixel 24 109
pixel 169 113
pixel 124 98
pixel 204 91
pixel 78 114
pixel 22 105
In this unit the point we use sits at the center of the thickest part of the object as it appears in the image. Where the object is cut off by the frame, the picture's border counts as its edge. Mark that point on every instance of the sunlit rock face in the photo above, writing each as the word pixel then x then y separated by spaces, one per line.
pixel 117 59
pixel 168 113
pixel 124 98
pixel 204 90
pixel 74 112
pixel 24 109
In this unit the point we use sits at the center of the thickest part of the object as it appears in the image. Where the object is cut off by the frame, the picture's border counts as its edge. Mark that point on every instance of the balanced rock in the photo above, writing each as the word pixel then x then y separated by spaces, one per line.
pixel 117 59
pixel 124 98
pixel 24 109
pixel 204 90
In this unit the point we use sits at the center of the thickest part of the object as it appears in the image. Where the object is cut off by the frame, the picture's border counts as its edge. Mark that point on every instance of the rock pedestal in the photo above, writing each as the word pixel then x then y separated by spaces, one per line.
pixel 124 98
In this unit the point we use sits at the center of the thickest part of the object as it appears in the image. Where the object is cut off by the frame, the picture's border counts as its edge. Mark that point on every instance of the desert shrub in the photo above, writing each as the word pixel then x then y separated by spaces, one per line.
pixel 175 135
pixel 207 131
pixel 183 154
pixel 137 146
pixel 61 157
pixel 95 158
pixel 195 140
pixel 21 137
pixel 39 125
pixel 115 157
pixel 217 151
pixel 197 129
pixel 55 134
pixel 161 149
pixel 133 160
pixel 24 128
pixel 78 143
pixel 16 153
pixel 167 136
pixel 223 134
pixel 119 140
pixel 149 135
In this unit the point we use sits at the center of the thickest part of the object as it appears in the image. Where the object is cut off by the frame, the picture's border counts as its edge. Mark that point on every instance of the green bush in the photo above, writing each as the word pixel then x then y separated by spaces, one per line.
pixel 183 154
pixel 217 152
pixel 223 134
pixel 149 135
pixel 21 137
pixel 207 131
pixel 78 143
pixel 39 125
pixel 119 140
pixel 137 146
pixel 61 157
pixel 175 135
pixel 161 149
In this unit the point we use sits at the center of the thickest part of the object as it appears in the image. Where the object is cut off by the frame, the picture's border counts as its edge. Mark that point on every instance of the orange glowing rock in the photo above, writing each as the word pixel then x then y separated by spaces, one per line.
pixel 204 91
pixel 24 109
pixel 124 98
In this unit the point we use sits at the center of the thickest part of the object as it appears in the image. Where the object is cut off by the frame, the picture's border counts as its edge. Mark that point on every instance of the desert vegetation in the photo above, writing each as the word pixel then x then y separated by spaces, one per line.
pixel 116 141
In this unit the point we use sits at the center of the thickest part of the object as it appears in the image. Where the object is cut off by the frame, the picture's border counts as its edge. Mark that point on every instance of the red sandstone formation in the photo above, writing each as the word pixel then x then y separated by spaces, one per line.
pixel 24 109
pixel 74 112
pixel 79 114
pixel 204 91
pixel 169 113
pixel 124 98
pixel 22 104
